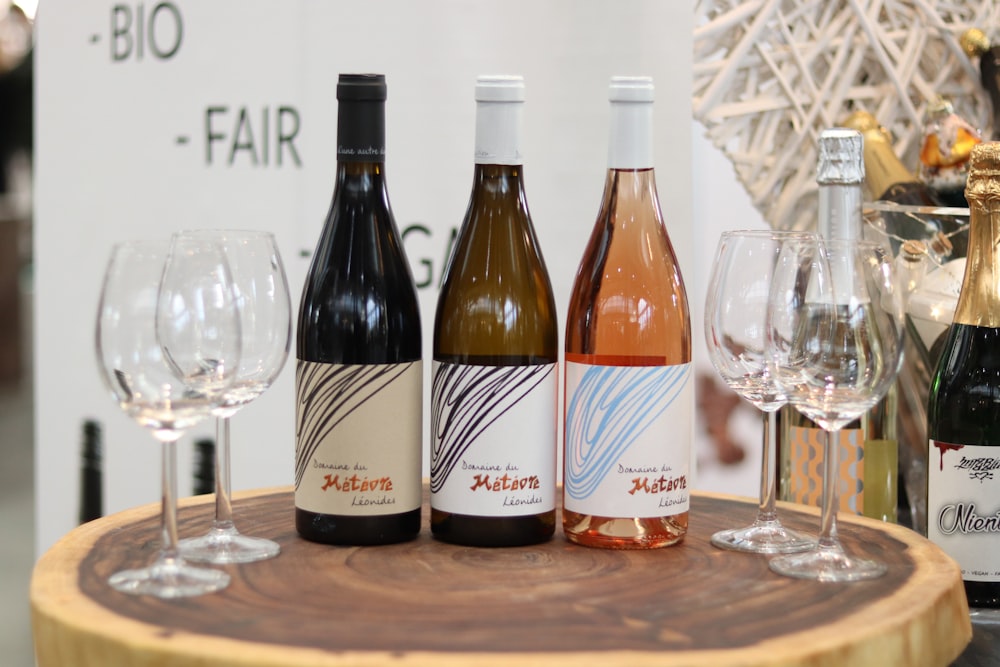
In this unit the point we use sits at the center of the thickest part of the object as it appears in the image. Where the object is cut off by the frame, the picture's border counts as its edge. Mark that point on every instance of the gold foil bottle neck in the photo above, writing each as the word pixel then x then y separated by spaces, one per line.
pixel 862 121
pixel 984 172
pixel 974 42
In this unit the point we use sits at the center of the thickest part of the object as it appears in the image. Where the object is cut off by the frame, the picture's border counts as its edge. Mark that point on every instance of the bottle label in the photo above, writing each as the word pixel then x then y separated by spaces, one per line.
pixel 867 472
pixel 963 506
pixel 628 440
pixel 493 439
pixel 358 438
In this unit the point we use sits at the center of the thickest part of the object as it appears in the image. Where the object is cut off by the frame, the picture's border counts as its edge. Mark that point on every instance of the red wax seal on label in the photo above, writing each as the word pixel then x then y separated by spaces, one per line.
pixel 945 447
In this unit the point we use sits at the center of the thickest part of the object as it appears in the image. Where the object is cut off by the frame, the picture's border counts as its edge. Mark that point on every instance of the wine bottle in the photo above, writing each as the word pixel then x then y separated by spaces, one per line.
pixel 963 415
pixel 868 445
pixel 91 472
pixel 496 345
pixel 976 44
pixel 629 386
pixel 358 380
pixel 203 481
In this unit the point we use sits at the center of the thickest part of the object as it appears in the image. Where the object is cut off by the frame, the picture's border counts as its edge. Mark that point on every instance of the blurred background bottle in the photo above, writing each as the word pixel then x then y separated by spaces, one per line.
pixel 868 446
pixel 91 472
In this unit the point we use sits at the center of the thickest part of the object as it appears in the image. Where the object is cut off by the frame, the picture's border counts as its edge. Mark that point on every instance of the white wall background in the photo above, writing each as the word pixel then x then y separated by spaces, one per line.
pixel 123 94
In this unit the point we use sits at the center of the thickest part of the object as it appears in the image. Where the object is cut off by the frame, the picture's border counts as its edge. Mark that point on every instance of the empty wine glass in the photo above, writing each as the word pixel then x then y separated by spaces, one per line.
pixel 735 330
pixel 835 334
pixel 265 313
pixel 168 343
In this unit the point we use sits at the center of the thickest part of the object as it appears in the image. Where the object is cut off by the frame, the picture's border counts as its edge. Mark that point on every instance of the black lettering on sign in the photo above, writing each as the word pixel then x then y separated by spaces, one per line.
pixel 425 277
pixel 259 137
pixel 136 30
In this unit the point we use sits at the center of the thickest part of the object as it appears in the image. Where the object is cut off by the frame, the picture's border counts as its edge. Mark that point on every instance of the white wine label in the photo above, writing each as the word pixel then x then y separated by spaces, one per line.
pixel 628 440
pixel 493 439
pixel 358 438
pixel 963 506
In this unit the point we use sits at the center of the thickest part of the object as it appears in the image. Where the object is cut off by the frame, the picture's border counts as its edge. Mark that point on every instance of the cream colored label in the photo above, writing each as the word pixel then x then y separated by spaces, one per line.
pixel 358 436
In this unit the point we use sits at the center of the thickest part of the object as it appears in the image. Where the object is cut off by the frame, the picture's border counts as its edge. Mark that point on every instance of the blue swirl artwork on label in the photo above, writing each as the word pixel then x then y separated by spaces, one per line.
pixel 610 409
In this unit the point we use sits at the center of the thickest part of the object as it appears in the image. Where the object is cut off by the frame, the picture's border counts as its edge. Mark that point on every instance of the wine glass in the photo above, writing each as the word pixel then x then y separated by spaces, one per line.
pixel 735 330
pixel 168 343
pixel 265 313
pixel 835 340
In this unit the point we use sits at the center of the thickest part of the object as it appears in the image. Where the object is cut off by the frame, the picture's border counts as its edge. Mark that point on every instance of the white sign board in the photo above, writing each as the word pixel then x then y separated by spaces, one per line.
pixel 158 116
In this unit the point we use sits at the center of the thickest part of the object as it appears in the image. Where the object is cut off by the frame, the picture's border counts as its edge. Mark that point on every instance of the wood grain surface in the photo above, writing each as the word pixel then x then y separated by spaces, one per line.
pixel 429 603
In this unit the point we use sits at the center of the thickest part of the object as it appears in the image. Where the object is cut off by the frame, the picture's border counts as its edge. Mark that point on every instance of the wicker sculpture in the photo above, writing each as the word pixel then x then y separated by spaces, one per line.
pixel 770 75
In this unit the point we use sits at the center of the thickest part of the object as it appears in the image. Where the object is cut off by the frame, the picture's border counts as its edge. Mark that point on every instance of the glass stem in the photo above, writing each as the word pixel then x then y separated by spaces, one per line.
pixel 168 501
pixel 831 490
pixel 223 488
pixel 768 490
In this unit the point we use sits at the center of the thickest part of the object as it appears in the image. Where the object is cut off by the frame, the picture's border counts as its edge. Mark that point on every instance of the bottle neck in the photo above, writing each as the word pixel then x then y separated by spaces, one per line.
pixel 630 144
pixel 630 199
pixel 498 133
pixel 499 180
pixel 361 132
pixel 883 168
pixel 839 212
pixel 979 299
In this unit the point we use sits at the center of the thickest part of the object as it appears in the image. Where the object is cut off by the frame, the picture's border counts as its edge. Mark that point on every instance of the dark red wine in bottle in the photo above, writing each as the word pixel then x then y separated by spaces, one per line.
pixel 359 373
pixel 963 413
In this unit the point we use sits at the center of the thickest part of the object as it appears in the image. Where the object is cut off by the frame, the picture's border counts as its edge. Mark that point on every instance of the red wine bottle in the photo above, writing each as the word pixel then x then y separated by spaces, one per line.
pixel 359 373
pixel 963 414
pixel 496 347
pixel 629 387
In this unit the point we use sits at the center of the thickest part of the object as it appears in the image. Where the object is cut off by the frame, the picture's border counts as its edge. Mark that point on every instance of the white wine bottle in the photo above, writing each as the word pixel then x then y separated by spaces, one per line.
pixel 496 345
pixel 629 387
pixel 868 447
pixel 963 414
pixel 359 379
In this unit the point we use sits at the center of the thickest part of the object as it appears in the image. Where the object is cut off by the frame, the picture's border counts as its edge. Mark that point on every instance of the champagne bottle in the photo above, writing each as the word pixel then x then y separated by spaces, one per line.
pixel 496 348
pixel 91 472
pixel 629 385
pixel 358 380
pixel 976 44
pixel 963 415
pixel 868 446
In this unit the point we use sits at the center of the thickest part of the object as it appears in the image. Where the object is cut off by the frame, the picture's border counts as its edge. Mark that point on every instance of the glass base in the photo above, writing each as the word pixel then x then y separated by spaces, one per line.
pixel 984 616
pixel 764 537
pixel 170 578
pixel 827 563
pixel 221 546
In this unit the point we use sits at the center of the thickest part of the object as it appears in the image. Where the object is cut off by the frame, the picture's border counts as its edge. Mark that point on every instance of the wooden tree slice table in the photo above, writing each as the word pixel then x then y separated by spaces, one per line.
pixel 429 603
